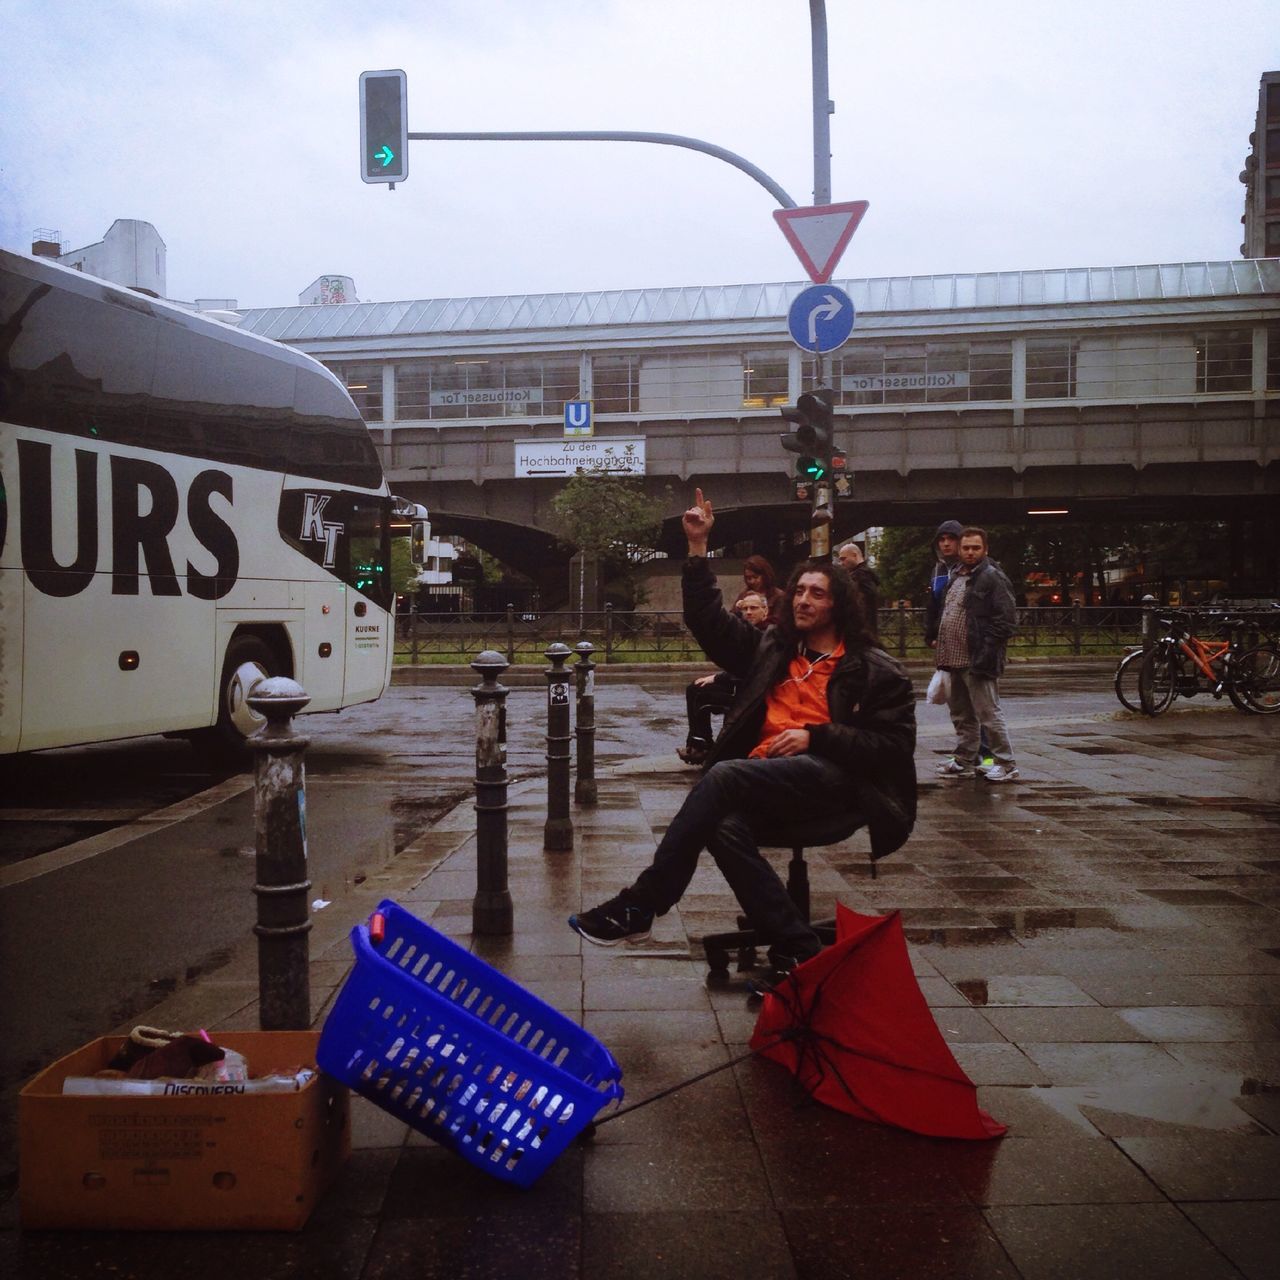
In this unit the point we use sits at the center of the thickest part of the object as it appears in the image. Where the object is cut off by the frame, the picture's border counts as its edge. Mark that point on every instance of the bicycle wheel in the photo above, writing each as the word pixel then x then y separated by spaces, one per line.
pixel 1126 681
pixel 1157 680
pixel 1255 681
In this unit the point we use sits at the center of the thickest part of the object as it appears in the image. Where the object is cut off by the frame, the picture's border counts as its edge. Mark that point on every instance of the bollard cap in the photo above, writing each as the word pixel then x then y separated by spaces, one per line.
pixel 584 649
pixel 489 664
pixel 557 652
pixel 278 698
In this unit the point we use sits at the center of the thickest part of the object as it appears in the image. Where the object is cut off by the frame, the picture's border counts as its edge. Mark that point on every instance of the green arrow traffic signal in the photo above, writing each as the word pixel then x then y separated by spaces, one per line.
pixel 386 155
pixel 810 469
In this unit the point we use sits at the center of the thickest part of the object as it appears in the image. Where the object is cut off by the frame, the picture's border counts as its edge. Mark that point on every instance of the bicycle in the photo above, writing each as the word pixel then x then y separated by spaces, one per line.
pixel 1126 679
pixel 1181 664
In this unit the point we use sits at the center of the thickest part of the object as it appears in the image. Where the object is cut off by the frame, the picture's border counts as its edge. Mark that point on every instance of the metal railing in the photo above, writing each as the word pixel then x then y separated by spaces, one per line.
pixel 650 635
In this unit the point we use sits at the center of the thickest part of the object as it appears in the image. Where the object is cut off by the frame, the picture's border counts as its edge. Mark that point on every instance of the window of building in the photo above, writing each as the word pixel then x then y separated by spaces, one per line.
pixel 710 381
pixel 1272 240
pixel 764 379
pixel 615 383
pixel 1273 148
pixel 476 387
pixel 1273 357
pixel 364 384
pixel 1273 102
pixel 1273 195
pixel 1051 368
pixel 921 373
pixel 1224 360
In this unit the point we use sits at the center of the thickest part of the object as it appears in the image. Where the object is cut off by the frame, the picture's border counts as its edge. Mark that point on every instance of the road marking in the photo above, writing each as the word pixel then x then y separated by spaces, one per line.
pixel 82 850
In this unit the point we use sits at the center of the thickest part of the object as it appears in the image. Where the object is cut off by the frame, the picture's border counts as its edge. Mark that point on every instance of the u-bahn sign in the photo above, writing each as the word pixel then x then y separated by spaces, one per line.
pixel 536 458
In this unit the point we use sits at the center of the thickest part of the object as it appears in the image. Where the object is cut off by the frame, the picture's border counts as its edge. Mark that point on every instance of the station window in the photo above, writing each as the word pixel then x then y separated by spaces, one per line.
pixel 764 379
pixel 477 387
pixel 1273 195
pixel 1273 357
pixel 364 384
pixel 1272 242
pixel 921 373
pixel 615 383
pixel 1224 360
pixel 691 382
pixel 1051 368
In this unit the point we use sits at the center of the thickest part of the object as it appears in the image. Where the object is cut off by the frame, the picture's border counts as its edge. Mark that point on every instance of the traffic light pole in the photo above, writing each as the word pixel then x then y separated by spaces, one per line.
pixel 822 501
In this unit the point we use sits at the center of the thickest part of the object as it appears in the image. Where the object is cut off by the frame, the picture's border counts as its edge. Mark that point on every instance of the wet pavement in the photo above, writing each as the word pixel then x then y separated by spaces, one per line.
pixel 1099 943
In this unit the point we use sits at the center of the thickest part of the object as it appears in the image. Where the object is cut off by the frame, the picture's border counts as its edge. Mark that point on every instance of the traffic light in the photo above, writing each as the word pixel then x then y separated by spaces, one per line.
pixel 384 126
pixel 814 418
pixel 810 468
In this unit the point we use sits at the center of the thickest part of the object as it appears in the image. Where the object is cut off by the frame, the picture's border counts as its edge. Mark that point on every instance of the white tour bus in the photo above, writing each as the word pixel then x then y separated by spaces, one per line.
pixel 183 507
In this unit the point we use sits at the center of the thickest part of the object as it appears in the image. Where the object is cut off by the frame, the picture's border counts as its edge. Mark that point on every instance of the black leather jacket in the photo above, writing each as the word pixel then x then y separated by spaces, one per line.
pixel 872 734
pixel 991 617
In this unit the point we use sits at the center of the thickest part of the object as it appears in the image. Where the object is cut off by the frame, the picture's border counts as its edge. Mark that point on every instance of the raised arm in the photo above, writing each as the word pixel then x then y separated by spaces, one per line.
pixel 697 522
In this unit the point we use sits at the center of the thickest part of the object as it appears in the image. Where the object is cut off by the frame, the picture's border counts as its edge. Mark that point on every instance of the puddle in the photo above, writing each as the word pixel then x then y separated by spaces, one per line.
pixel 1198 1102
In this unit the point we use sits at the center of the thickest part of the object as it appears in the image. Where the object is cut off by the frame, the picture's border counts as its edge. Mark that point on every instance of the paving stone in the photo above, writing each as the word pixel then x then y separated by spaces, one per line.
pixel 1078 1025
pixel 1009 991
pixel 1209 1167
pixel 478 1248
pixel 717 1244
pixel 1136 1241
pixel 1044 1170
pixel 1203 1023
pixel 655 1178
pixel 895 1242
pixel 1248 1233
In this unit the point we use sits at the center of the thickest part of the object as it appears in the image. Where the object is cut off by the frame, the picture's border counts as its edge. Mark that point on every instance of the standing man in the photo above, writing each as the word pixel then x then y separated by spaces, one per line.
pixel 853 558
pixel 978 618
pixel 823 724
pixel 946 550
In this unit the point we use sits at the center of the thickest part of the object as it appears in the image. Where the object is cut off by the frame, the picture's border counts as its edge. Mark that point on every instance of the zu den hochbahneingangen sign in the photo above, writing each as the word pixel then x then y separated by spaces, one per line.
pixel 568 457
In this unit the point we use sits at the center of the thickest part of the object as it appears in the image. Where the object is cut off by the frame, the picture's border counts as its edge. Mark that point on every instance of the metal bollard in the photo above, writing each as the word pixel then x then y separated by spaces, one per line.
pixel 491 911
pixel 557 835
pixel 584 787
pixel 280 837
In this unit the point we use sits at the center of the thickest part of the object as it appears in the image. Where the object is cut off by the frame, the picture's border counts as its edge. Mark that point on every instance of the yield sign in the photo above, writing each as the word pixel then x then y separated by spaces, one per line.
pixel 819 234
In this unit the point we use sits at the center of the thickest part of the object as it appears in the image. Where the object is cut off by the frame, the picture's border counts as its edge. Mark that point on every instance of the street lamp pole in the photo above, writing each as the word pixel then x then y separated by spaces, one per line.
pixel 822 104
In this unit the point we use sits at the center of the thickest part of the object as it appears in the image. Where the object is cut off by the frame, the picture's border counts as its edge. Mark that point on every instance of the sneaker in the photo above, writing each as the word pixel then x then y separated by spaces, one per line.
pixel 621 919
pixel 985 763
pixel 999 773
pixel 954 769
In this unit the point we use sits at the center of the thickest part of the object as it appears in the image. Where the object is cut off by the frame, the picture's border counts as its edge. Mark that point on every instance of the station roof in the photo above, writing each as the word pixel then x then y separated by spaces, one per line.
pixel 700 304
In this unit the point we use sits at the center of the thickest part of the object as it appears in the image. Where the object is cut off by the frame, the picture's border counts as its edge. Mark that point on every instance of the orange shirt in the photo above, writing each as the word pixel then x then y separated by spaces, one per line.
pixel 800 699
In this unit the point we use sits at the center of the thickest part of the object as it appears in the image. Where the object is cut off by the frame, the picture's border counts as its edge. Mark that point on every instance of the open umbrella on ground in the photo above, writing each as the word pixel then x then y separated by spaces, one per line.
pixel 853 1026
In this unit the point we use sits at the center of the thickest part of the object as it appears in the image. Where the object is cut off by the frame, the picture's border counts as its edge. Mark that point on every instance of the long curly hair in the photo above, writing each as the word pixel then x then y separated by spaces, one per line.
pixel 848 615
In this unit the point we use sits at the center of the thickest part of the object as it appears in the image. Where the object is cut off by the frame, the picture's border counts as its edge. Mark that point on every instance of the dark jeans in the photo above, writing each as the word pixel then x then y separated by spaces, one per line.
pixel 702 700
pixel 722 813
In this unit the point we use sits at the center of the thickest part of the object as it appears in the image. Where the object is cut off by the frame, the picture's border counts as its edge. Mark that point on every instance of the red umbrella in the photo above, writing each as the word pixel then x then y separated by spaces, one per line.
pixel 853 1026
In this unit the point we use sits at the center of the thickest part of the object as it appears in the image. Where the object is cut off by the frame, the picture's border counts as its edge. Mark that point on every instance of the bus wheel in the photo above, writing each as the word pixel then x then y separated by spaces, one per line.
pixel 248 660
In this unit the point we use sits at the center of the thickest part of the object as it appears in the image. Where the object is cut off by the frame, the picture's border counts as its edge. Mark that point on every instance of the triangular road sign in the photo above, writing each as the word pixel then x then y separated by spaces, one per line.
pixel 819 234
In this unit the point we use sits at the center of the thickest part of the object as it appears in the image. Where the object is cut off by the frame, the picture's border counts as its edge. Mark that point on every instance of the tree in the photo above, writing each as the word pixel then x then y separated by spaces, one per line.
pixel 608 516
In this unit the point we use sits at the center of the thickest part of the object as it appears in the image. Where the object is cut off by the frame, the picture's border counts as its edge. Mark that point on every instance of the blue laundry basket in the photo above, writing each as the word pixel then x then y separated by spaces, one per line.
pixel 440 1039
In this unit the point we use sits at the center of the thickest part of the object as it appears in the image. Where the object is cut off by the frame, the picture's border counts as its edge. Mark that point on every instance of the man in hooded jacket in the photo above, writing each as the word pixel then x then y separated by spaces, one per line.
pixel 823 724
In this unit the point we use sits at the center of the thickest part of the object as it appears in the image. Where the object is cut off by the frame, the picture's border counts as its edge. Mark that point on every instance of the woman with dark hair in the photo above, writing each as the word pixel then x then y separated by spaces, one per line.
pixel 759 576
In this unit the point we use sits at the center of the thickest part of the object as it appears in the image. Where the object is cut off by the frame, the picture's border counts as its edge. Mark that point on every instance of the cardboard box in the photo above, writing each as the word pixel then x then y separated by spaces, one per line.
pixel 251 1162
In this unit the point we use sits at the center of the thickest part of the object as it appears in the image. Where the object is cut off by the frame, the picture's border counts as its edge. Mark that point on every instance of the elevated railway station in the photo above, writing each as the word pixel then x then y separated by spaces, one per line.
pixel 1146 392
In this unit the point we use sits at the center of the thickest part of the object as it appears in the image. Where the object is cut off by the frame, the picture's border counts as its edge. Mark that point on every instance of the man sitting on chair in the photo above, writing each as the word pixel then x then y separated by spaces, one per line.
pixel 823 724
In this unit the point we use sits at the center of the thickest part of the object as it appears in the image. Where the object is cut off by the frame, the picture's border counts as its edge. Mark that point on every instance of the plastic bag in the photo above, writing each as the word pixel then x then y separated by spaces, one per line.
pixel 939 688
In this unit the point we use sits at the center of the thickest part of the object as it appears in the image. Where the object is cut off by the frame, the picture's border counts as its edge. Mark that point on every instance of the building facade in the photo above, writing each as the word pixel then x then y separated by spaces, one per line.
pixel 1261 175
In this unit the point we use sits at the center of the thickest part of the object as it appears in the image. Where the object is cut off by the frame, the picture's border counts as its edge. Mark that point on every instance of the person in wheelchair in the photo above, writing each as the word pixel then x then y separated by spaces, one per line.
pixel 712 695
pixel 823 724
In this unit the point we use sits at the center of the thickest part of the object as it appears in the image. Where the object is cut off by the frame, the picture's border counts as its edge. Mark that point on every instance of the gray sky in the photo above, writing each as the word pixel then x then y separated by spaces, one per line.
pixel 987 135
